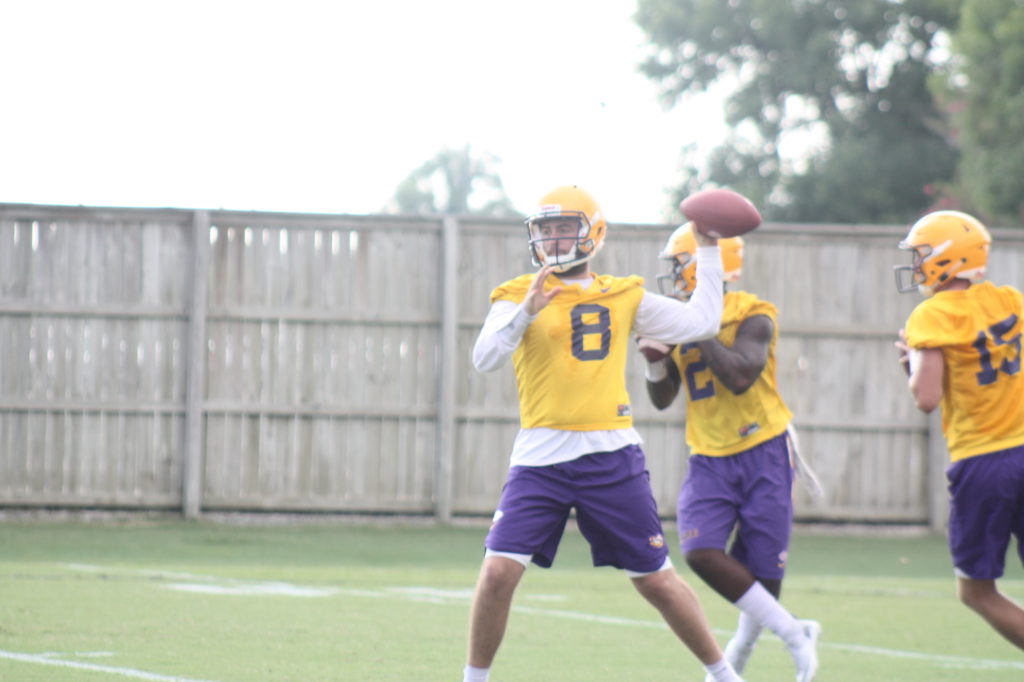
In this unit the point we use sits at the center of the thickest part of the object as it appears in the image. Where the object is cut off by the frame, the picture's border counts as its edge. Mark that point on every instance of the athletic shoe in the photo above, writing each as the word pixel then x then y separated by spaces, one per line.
pixel 805 652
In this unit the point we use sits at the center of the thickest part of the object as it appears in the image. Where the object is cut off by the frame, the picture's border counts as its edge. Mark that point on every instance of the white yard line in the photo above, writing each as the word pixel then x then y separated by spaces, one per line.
pixel 50 659
pixel 939 659
pixel 461 597
pixel 424 593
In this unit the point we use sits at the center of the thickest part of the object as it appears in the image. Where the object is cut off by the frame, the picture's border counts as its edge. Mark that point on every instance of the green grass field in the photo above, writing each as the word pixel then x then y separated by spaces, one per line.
pixel 167 599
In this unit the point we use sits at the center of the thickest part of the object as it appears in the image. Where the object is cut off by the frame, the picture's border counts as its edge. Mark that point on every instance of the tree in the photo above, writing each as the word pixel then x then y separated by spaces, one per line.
pixel 845 83
pixel 455 181
pixel 988 78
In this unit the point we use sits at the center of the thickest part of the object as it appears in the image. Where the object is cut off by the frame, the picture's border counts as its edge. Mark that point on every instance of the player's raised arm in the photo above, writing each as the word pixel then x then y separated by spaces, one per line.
pixel 671 321
pixel 706 302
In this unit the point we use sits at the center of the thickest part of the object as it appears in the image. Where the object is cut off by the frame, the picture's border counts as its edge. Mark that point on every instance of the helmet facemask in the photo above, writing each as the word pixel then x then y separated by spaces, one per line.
pixel 911 278
pixel 681 249
pixel 680 282
pixel 550 244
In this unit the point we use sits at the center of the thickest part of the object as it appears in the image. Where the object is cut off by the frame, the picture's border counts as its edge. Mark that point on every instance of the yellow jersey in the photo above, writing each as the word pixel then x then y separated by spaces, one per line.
pixel 719 422
pixel 570 365
pixel 978 330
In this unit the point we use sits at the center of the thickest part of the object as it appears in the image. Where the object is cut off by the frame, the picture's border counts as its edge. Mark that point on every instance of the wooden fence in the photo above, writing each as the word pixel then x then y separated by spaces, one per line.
pixel 230 361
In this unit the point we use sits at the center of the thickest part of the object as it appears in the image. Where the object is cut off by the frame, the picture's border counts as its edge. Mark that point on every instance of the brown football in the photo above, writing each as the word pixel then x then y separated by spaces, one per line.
pixel 720 213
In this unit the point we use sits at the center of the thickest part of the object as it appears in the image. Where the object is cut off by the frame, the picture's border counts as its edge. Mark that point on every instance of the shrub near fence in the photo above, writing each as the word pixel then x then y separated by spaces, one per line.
pixel 218 360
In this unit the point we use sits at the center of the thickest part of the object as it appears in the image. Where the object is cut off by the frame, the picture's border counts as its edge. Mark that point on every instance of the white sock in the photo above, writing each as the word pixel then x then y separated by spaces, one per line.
pixel 765 609
pixel 748 629
pixel 722 672
pixel 471 674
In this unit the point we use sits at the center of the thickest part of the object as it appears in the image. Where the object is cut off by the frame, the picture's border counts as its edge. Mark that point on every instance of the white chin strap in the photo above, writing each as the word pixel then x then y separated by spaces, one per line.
pixel 564 261
pixel 568 265
pixel 562 267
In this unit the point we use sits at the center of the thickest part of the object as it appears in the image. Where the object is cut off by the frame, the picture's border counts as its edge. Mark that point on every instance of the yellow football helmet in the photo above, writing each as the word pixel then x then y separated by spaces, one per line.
pixel 945 244
pixel 681 249
pixel 568 202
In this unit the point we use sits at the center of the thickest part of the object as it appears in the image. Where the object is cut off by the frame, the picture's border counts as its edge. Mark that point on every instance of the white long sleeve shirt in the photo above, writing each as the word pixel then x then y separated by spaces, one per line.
pixel 657 317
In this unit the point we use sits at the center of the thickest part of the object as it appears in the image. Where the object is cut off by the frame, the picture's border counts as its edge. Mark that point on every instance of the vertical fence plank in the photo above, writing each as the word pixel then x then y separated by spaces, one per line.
pixel 192 466
pixel 444 451
pixel 937 461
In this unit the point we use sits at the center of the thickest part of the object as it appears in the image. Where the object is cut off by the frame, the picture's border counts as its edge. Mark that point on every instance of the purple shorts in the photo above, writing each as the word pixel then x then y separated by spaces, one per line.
pixel 615 511
pixel 750 492
pixel 986 506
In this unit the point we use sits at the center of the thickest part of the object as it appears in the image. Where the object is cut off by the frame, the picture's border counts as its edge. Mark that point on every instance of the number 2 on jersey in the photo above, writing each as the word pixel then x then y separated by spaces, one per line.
pixel 998 331
pixel 692 369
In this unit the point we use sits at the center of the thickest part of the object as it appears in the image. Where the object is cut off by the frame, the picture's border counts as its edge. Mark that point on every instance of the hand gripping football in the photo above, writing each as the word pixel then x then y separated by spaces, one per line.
pixel 720 213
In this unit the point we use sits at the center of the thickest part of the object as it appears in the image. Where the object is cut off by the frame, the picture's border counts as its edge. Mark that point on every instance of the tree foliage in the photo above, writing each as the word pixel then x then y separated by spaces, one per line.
pixel 988 77
pixel 454 181
pixel 846 82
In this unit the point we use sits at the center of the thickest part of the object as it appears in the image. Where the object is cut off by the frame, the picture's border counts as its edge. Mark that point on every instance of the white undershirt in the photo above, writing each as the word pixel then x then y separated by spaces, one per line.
pixel 657 317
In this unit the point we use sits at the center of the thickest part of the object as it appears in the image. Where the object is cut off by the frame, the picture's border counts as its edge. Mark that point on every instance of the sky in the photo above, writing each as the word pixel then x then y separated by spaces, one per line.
pixel 325 107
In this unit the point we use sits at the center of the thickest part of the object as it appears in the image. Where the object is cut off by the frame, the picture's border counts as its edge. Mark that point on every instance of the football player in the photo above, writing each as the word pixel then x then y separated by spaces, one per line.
pixel 740 472
pixel 567 332
pixel 961 349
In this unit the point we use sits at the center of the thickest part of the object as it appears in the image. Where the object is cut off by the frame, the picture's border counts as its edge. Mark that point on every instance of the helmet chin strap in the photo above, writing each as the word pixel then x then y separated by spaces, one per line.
pixel 577 259
pixel 563 267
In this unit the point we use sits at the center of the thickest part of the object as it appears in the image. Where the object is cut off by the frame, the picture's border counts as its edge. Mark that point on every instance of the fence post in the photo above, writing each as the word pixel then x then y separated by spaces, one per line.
pixel 445 446
pixel 938 460
pixel 192 466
